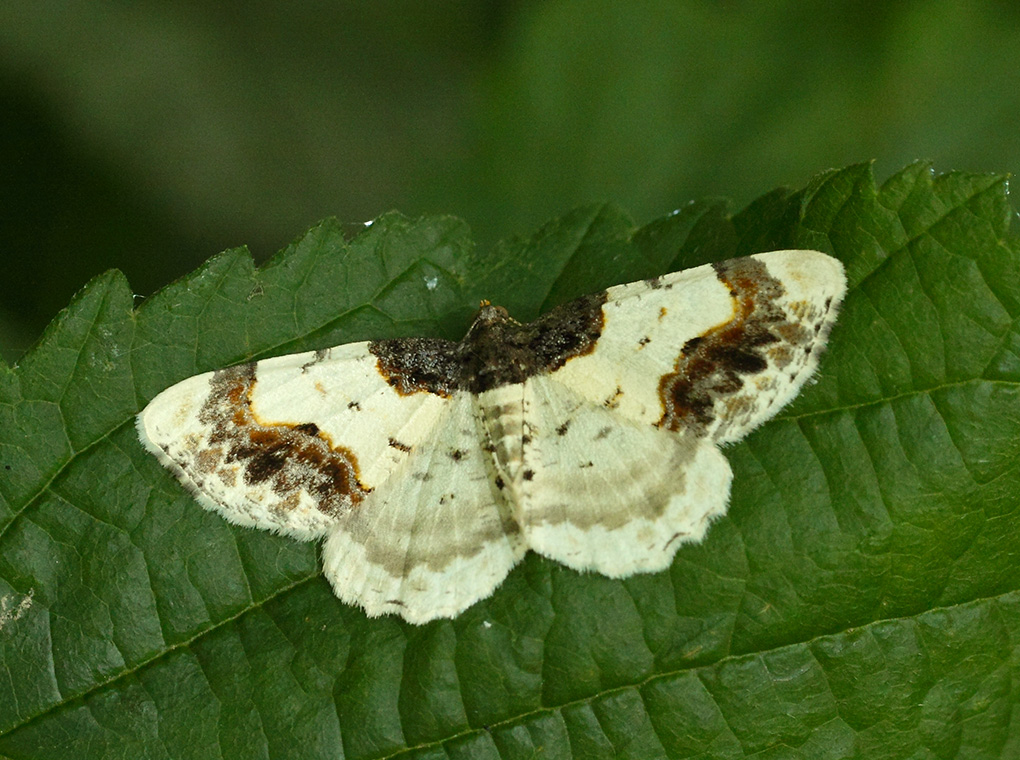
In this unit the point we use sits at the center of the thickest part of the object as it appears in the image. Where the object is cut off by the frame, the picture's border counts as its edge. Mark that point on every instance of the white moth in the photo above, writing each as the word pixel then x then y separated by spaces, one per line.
pixel 591 436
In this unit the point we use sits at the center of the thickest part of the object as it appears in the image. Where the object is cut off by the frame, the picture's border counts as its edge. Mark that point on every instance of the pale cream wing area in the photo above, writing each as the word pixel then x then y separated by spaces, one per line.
pixel 603 492
pixel 720 348
pixel 644 329
pixel 289 444
pixel 438 536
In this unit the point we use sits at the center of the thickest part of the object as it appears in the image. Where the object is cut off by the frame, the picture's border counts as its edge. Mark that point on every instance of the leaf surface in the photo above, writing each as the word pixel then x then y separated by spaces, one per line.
pixel 860 599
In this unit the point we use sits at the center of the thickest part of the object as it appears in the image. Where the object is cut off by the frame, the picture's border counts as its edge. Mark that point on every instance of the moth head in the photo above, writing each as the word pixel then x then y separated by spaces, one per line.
pixel 489 315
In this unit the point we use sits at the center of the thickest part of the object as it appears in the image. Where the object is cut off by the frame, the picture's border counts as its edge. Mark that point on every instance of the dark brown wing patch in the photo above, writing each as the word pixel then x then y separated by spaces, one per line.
pixel 496 351
pixel 288 457
pixel 715 364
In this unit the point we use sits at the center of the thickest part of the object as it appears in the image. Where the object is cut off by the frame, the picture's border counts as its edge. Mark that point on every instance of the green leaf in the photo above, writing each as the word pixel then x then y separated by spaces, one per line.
pixel 860 599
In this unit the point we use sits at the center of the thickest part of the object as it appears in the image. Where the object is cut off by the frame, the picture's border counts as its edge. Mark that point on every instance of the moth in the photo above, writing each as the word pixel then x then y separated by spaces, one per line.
pixel 429 468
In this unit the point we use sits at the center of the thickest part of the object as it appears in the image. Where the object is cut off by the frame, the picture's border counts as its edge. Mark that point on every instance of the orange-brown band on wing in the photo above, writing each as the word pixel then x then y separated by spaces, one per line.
pixel 715 363
pixel 290 457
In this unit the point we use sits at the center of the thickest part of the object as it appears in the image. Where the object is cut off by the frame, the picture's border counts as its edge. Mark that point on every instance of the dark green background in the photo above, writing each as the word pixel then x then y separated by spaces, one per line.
pixel 150 135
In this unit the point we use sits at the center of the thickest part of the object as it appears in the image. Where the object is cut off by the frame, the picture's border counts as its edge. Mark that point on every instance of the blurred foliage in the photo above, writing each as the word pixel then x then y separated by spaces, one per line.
pixel 148 136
